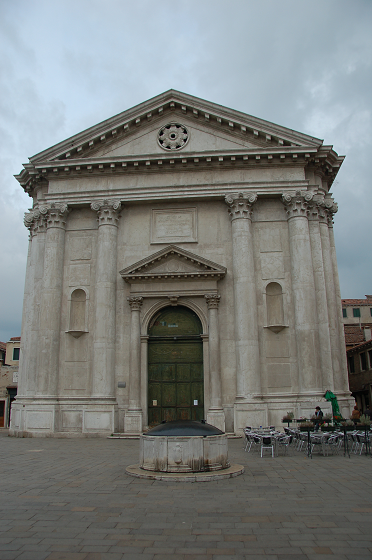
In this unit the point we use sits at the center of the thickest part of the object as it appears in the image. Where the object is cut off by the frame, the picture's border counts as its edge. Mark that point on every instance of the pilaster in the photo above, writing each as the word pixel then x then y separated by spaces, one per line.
pixel 133 417
pixel 215 415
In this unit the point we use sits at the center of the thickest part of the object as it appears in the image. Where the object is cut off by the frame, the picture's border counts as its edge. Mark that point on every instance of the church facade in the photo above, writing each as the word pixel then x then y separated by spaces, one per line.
pixel 181 266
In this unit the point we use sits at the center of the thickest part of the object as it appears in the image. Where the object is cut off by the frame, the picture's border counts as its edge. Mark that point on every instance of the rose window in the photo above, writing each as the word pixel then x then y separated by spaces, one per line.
pixel 173 136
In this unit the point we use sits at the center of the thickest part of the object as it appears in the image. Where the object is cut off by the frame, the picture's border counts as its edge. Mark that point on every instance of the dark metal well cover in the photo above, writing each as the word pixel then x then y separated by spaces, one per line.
pixel 184 428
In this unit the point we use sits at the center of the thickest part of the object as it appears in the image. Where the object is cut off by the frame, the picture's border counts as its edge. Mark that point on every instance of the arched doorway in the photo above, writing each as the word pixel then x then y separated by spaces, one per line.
pixel 175 366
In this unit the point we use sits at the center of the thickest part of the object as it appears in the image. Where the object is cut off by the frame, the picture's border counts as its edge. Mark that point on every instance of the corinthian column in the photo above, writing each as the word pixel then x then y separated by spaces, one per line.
pixel 105 292
pixel 303 290
pixel 330 291
pixel 51 299
pixel 316 214
pixel 341 382
pixel 248 382
pixel 28 381
pixel 133 417
pixel 215 415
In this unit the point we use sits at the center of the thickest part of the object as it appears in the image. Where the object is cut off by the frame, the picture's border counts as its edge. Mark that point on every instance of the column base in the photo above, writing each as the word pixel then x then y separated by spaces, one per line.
pixel 133 422
pixel 62 417
pixel 216 418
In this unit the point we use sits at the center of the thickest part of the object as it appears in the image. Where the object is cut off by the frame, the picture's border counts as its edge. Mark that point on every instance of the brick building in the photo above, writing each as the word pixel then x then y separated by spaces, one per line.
pixel 9 365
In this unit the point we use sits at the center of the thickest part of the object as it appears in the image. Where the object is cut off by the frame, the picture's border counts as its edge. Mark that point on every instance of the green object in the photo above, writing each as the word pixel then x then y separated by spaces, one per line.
pixel 329 396
pixel 175 358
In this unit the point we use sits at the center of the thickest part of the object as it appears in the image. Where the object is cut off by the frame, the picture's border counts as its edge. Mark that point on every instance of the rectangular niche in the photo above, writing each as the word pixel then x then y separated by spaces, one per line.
pixel 81 248
pixel 279 377
pixel 174 225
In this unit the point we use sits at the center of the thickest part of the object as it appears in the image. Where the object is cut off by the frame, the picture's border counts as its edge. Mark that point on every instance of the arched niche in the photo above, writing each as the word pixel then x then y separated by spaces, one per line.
pixel 78 313
pixel 274 307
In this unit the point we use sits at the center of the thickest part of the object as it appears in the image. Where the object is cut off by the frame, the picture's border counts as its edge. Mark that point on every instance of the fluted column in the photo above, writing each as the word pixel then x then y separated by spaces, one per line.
pixel 341 381
pixel 245 305
pixel 51 299
pixel 316 213
pixel 303 289
pixel 215 415
pixel 105 298
pixel 133 417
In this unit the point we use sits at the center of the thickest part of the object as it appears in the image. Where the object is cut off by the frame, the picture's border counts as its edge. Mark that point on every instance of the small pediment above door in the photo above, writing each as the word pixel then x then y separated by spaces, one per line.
pixel 172 263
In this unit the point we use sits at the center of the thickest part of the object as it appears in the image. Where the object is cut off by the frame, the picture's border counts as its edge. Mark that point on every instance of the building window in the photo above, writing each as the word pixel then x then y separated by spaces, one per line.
pixel 351 364
pixel 370 358
pixel 363 361
pixel 356 312
pixel 15 354
pixel 370 311
pixel 344 312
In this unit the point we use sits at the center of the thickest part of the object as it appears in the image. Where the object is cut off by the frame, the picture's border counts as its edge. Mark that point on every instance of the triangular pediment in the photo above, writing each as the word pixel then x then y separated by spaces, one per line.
pixel 212 136
pixel 170 263
pixel 211 128
pixel 201 138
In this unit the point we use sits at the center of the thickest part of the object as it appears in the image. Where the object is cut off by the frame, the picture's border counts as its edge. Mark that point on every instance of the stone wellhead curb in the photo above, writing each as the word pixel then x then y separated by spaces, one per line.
pixel 231 472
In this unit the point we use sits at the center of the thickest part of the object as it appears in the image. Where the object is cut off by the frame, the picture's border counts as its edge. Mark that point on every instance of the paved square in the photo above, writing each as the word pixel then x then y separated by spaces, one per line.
pixel 70 499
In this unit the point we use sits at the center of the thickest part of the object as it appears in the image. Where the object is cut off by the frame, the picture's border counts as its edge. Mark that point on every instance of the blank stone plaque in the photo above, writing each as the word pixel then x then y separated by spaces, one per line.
pixel 174 226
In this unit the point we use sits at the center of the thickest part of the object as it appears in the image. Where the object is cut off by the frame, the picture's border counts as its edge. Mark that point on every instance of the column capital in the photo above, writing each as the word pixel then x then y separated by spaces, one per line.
pixel 212 300
pixel 135 302
pixel 331 207
pixel 35 221
pixel 55 214
pixel 297 204
pixel 107 211
pixel 240 204
pixel 322 209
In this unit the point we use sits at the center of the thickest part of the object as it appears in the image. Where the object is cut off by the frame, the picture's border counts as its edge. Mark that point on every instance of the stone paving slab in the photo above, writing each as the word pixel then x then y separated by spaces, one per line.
pixel 70 499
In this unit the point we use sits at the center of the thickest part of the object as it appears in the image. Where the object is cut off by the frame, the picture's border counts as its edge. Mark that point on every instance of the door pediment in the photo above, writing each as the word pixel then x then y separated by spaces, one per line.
pixel 170 264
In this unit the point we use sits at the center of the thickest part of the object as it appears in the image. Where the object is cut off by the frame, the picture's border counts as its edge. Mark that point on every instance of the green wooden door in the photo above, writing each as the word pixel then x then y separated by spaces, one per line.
pixel 175 367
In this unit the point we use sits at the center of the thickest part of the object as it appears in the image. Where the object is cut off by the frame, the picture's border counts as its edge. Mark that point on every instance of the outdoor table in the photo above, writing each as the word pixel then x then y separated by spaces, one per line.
pixel 366 430
pixel 346 441
pixel 308 430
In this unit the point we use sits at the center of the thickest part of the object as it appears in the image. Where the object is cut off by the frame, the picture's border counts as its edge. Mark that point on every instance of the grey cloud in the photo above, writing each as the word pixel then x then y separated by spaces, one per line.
pixel 67 65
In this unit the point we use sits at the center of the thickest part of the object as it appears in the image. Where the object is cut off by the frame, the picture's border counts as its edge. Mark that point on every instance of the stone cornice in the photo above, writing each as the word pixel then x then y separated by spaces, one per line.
pixel 43 172
pixel 211 190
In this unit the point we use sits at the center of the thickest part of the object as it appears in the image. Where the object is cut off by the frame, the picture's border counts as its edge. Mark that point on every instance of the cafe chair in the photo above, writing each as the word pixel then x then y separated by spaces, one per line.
pixel 267 443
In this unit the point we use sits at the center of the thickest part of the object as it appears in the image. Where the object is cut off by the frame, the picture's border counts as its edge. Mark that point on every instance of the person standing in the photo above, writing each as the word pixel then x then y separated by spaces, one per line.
pixel 318 417
pixel 368 412
pixel 355 415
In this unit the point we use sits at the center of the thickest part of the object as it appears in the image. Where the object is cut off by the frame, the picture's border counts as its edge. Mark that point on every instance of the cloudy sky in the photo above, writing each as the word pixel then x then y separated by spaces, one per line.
pixel 66 65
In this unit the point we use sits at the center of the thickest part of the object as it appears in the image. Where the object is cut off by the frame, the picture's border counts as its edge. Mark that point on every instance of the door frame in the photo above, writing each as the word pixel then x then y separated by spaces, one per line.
pixel 160 304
